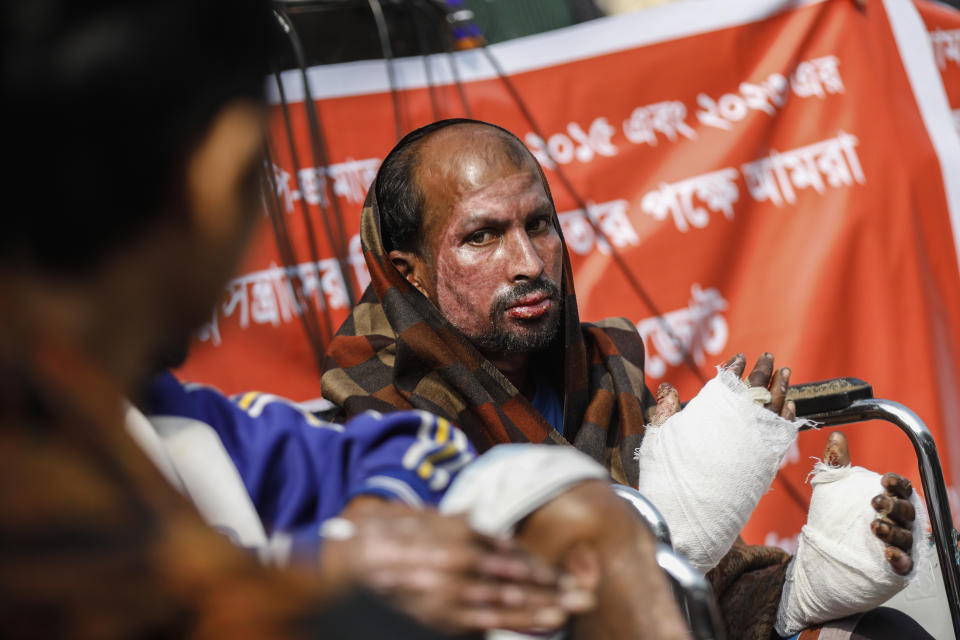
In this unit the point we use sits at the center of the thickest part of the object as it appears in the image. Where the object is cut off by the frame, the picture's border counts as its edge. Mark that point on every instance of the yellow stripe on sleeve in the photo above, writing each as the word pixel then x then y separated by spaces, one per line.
pixel 247 399
pixel 443 430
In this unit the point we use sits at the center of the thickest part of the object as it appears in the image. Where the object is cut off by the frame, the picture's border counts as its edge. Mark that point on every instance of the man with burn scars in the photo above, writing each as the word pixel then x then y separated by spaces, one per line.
pixel 471 314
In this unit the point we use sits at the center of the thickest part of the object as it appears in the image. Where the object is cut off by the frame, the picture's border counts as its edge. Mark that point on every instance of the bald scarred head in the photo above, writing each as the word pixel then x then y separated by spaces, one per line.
pixel 399 188
pixel 468 220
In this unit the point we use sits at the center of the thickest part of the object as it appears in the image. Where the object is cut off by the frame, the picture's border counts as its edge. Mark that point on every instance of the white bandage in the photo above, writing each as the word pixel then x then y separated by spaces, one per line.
pixel 509 482
pixel 840 568
pixel 707 466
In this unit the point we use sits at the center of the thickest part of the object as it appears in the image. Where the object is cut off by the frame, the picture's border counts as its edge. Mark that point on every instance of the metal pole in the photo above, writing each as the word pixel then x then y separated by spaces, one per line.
pixel 645 509
pixel 703 612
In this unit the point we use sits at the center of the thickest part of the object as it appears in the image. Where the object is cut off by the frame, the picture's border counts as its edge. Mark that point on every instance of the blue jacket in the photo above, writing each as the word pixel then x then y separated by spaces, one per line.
pixel 299 470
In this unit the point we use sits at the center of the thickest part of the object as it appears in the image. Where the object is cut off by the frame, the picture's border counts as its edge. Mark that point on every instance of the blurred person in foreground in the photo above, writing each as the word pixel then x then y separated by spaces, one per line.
pixel 135 130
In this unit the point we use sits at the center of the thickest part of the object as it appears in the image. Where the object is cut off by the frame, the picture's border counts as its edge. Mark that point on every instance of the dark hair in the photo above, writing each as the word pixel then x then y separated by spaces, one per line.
pixel 105 99
pixel 400 198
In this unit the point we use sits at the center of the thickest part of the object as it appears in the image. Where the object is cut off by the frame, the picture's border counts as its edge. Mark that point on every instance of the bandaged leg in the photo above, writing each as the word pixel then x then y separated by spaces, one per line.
pixel 707 466
pixel 572 519
pixel 509 482
pixel 840 568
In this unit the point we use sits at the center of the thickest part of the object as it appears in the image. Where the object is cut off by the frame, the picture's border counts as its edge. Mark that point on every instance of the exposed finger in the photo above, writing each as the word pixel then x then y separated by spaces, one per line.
pixel 412 527
pixel 901 562
pixel 736 365
pixel 575 597
pixel 467 617
pixel 425 580
pixel 668 403
pixel 897 509
pixel 892 534
pixel 760 376
pixel 383 581
pixel 507 594
pixel 547 618
pixel 837 451
pixel 516 567
pixel 789 411
pixel 896 485
pixel 446 609
pixel 778 390
pixel 441 555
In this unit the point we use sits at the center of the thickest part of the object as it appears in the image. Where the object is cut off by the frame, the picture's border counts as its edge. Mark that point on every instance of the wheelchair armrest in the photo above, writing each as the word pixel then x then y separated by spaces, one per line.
pixel 849 400
pixel 815 398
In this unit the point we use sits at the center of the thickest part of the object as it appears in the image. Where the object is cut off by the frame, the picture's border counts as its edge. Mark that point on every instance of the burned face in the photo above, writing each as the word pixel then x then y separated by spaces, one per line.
pixel 493 255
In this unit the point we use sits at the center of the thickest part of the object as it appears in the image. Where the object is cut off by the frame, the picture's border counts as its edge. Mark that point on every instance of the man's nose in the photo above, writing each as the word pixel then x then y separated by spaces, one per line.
pixel 523 259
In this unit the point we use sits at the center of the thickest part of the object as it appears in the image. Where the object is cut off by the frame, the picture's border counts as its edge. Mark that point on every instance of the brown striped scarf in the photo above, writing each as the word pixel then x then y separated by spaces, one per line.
pixel 396 351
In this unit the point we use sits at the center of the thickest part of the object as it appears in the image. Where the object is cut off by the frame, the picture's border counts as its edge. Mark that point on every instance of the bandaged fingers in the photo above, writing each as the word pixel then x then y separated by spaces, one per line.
pixel 769 386
pixel 895 512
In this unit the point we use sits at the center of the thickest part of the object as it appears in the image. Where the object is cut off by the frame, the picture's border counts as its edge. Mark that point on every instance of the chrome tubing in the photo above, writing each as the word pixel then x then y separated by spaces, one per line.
pixel 646 511
pixel 690 588
pixel 703 614
pixel 931 476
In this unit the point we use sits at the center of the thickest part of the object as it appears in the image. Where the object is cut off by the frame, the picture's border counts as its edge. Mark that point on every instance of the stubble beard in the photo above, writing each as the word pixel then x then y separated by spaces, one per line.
pixel 536 334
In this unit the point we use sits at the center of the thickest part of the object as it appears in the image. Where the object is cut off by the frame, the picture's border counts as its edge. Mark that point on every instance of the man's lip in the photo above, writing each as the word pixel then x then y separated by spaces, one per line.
pixel 530 306
pixel 530 299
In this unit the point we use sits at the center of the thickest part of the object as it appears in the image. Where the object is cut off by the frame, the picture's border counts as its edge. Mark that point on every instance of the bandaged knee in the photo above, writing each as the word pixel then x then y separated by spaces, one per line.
pixel 707 466
pixel 840 567
pixel 511 481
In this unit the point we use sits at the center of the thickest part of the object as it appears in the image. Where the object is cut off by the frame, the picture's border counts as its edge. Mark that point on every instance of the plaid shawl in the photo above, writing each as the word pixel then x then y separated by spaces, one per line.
pixel 396 351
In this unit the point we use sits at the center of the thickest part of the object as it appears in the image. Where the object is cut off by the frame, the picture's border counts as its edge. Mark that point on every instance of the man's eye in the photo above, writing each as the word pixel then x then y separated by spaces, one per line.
pixel 537 226
pixel 482 237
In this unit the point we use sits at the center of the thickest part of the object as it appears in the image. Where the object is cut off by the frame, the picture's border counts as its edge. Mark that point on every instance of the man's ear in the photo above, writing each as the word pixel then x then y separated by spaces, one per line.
pixel 412 267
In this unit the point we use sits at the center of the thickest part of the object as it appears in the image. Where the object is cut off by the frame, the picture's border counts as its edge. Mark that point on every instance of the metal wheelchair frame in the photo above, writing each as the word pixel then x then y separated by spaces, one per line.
pixel 694 592
pixel 931 476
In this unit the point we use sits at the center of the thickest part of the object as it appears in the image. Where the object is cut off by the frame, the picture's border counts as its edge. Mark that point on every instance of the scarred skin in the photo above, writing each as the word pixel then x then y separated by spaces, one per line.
pixel 497 235
pixel 837 453
pixel 487 227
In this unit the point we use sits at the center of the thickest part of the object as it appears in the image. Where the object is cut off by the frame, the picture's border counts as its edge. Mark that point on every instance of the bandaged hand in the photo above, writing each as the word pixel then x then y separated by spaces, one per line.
pixel 858 548
pixel 763 378
pixel 706 467
pixel 895 512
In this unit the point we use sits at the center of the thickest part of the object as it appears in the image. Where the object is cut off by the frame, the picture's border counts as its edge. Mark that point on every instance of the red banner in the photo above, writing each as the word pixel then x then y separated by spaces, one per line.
pixel 773 179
